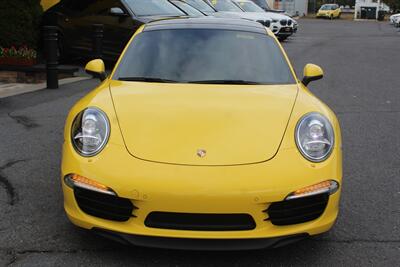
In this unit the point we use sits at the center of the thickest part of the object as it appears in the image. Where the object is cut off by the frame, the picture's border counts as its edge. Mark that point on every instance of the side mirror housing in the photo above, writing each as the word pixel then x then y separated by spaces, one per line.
pixel 312 72
pixel 96 68
pixel 118 12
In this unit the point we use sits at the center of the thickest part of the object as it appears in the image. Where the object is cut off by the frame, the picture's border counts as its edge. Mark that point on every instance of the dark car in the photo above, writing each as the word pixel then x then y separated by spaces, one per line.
pixel 121 18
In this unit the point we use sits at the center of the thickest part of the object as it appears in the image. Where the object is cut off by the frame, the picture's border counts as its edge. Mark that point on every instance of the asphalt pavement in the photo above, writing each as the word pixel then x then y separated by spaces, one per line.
pixel 361 84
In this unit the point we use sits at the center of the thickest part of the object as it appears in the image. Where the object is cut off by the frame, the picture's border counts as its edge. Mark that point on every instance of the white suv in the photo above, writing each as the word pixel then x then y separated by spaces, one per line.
pixel 282 25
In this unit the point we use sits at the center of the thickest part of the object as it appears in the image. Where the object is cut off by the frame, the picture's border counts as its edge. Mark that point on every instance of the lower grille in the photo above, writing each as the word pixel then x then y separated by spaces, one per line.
pixel 104 206
pixel 297 210
pixel 200 222
pixel 283 22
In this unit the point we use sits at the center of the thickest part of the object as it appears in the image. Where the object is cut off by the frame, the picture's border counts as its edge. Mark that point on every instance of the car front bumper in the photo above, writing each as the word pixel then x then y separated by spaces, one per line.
pixel 245 189
pixel 285 32
pixel 199 244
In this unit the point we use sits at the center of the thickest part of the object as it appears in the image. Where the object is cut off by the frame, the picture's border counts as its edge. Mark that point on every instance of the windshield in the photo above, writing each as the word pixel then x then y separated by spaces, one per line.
pixel 226 5
pixel 153 8
pixel 204 56
pixel 188 9
pixel 249 6
pixel 200 5
pixel 328 7
pixel 262 3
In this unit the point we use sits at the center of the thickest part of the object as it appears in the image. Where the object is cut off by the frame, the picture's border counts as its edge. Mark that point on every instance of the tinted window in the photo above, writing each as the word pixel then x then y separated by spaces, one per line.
pixel 200 5
pixel 204 56
pixel 153 8
pixel 262 3
pixel 226 5
pixel 191 11
pixel 249 6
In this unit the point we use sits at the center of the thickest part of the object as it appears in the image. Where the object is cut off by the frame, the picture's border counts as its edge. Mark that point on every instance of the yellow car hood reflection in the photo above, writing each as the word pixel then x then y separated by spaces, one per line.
pixel 227 124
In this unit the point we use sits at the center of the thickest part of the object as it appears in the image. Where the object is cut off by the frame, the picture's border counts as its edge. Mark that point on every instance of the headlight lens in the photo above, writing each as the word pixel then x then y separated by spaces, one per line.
pixel 90 132
pixel 315 137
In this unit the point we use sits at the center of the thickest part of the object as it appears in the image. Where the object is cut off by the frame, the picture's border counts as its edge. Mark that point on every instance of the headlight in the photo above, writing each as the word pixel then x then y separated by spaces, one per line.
pixel 90 132
pixel 315 137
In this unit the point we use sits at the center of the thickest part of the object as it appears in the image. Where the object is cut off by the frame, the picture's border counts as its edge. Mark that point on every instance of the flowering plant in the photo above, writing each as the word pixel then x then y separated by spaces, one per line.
pixel 22 52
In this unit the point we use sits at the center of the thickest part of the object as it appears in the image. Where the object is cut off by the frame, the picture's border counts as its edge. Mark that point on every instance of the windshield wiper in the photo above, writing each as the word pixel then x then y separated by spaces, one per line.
pixel 225 82
pixel 146 79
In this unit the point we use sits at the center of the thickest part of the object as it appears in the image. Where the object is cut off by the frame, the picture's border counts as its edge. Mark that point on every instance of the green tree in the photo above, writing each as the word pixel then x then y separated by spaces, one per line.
pixel 393 4
pixel 20 23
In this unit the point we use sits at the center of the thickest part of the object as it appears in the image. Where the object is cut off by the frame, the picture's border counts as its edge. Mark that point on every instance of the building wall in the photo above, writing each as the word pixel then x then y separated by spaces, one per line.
pixel 293 7
pixel 369 3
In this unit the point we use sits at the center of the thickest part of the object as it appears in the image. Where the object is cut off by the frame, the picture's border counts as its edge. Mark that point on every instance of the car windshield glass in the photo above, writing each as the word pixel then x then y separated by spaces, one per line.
pixel 200 5
pixel 262 3
pixel 204 56
pixel 191 11
pixel 327 7
pixel 153 8
pixel 249 6
pixel 226 5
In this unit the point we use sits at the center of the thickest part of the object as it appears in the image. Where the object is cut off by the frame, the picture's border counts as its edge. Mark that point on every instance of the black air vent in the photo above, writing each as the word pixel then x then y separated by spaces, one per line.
pixel 200 222
pixel 297 210
pixel 104 206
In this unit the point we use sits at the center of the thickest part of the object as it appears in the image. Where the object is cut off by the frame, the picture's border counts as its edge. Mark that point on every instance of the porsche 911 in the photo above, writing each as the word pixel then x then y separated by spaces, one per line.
pixel 202 137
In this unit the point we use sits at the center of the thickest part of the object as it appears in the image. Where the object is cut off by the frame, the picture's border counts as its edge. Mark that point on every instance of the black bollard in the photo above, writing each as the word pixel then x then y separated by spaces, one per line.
pixel 51 47
pixel 97 40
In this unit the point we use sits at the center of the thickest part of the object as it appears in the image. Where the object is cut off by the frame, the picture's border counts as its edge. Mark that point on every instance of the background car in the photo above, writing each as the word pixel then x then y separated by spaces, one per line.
pixel 281 25
pixel 330 11
pixel 121 18
pixel 393 17
pixel 209 9
pixel 396 21
pixel 187 143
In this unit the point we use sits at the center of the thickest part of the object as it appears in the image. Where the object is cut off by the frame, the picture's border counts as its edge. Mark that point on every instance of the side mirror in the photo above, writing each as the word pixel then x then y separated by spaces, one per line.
pixel 312 72
pixel 96 68
pixel 118 12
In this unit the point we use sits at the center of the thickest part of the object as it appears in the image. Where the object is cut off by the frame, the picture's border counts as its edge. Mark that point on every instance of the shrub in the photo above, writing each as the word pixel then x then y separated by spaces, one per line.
pixel 20 23
pixel 22 52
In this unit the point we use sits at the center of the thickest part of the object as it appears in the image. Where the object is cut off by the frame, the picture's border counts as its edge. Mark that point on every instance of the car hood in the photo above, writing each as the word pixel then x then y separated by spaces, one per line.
pixel 278 16
pixel 324 11
pixel 204 125
pixel 263 15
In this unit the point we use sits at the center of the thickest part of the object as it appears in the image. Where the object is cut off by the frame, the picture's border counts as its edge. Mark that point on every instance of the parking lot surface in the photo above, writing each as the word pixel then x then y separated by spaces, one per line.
pixel 361 85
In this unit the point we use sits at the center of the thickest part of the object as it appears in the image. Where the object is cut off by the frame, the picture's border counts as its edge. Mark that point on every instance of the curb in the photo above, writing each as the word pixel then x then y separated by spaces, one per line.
pixel 12 89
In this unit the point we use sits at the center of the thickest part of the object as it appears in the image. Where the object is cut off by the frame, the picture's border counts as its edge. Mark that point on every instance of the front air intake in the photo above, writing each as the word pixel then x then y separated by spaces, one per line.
pixel 200 221
pixel 298 210
pixel 104 206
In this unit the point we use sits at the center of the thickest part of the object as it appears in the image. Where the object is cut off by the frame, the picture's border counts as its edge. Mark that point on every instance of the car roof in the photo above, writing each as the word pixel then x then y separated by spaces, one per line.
pixel 206 23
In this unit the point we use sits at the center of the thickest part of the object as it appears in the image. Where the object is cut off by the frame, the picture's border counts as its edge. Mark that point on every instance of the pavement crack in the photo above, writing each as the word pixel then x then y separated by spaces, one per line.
pixel 6 184
pixel 24 121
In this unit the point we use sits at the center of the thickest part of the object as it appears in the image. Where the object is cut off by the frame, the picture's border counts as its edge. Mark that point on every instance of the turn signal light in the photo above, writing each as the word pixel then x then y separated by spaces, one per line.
pixel 73 180
pixel 329 186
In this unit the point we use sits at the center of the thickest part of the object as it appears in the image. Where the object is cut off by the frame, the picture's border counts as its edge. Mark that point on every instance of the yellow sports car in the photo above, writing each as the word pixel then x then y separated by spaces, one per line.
pixel 202 137
pixel 330 11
